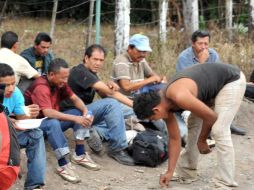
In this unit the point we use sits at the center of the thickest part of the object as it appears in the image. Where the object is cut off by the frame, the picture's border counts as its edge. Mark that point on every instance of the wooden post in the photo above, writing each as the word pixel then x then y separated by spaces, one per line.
pixel 53 20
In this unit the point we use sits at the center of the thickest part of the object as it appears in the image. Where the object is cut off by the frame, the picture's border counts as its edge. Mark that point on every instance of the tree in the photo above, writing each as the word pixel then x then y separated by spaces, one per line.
pixel 229 15
pixel 90 24
pixel 251 25
pixel 122 25
pixel 190 12
pixel 163 20
pixel 3 11
pixel 53 20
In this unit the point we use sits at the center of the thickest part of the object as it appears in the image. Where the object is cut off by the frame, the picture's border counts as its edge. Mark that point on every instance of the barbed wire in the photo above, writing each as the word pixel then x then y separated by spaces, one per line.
pixel 73 7
pixel 132 10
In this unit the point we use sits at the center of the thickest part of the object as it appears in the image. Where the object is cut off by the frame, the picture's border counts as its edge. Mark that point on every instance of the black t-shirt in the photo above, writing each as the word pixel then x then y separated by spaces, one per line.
pixel 81 80
pixel 210 78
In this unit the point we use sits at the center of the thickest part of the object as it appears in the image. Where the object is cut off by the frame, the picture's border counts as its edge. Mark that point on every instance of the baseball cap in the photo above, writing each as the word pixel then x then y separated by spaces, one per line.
pixel 140 42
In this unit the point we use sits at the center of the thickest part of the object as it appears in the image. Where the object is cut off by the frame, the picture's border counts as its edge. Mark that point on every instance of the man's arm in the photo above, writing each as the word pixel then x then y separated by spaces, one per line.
pixel 183 93
pixel 51 113
pixel 31 111
pixel 174 147
pixel 129 86
pixel 104 90
pixel 79 104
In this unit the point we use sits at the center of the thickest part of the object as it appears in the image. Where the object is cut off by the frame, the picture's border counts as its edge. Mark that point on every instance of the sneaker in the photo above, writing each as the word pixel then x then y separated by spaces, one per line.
pixel 95 143
pixel 86 161
pixel 122 157
pixel 67 173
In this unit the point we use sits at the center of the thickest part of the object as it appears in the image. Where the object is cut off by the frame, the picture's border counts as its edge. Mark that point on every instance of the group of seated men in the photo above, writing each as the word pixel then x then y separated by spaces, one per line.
pixel 65 96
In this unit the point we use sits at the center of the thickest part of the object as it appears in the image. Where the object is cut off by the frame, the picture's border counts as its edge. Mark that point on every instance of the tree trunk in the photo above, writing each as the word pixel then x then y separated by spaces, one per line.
pixel 90 24
pixel 229 16
pixel 190 12
pixel 251 24
pixel 3 11
pixel 163 20
pixel 53 20
pixel 122 25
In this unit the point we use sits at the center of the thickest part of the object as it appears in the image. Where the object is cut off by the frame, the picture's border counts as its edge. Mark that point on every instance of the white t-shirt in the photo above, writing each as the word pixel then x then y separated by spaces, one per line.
pixel 20 66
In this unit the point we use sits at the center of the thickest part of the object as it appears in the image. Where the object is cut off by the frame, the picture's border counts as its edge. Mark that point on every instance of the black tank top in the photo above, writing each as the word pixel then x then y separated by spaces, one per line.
pixel 210 78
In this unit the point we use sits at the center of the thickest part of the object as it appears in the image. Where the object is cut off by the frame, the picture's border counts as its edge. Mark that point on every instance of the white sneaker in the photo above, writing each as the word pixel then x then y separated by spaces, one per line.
pixel 86 161
pixel 67 173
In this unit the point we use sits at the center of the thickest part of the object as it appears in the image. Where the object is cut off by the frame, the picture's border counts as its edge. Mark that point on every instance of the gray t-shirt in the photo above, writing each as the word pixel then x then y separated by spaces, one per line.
pixel 125 68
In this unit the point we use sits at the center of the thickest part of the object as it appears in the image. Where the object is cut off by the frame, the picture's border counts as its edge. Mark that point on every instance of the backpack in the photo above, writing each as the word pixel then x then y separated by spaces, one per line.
pixel 149 148
pixel 9 153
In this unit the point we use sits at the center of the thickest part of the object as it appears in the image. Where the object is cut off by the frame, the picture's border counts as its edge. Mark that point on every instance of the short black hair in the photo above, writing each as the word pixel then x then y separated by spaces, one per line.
pixel 89 51
pixel 56 64
pixel 144 103
pixel 42 36
pixel 200 34
pixel 8 39
pixel 131 46
pixel 6 70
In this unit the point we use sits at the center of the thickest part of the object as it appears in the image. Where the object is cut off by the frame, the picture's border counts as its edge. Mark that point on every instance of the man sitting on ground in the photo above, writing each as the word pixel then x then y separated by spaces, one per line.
pixel 32 139
pixel 108 116
pixel 131 70
pixel 8 55
pixel 9 148
pixel 39 55
pixel 48 91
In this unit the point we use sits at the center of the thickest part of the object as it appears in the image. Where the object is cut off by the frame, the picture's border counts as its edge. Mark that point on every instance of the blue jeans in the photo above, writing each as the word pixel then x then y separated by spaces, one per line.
pixel 33 142
pixel 181 124
pixel 53 131
pixel 109 122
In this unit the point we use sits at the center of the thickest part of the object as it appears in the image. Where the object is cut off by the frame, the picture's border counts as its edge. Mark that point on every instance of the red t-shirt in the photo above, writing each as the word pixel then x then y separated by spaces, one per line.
pixel 46 96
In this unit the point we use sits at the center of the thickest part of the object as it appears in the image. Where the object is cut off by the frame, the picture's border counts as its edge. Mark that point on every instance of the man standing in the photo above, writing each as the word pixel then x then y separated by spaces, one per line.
pixel 48 91
pixel 197 88
pixel 39 55
pixel 32 140
pixel 108 116
pixel 200 53
pixel 8 55
pixel 132 72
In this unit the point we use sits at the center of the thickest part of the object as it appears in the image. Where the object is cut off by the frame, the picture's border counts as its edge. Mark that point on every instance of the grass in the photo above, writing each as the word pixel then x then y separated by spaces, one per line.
pixel 69 43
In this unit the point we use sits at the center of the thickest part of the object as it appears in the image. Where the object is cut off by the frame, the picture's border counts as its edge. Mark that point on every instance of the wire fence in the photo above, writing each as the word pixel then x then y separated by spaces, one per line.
pixel 146 15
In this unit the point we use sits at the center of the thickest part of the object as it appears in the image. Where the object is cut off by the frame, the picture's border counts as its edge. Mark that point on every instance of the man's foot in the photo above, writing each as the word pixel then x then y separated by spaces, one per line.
pixel 95 143
pixel 86 161
pixel 67 173
pixel 237 131
pixel 122 157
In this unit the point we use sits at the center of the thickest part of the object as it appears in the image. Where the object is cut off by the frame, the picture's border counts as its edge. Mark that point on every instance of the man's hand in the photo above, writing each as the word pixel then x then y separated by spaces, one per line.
pixel 165 179
pixel 203 56
pixel 203 147
pixel 156 79
pixel 113 86
pixel 84 121
pixel 15 125
pixel 32 110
